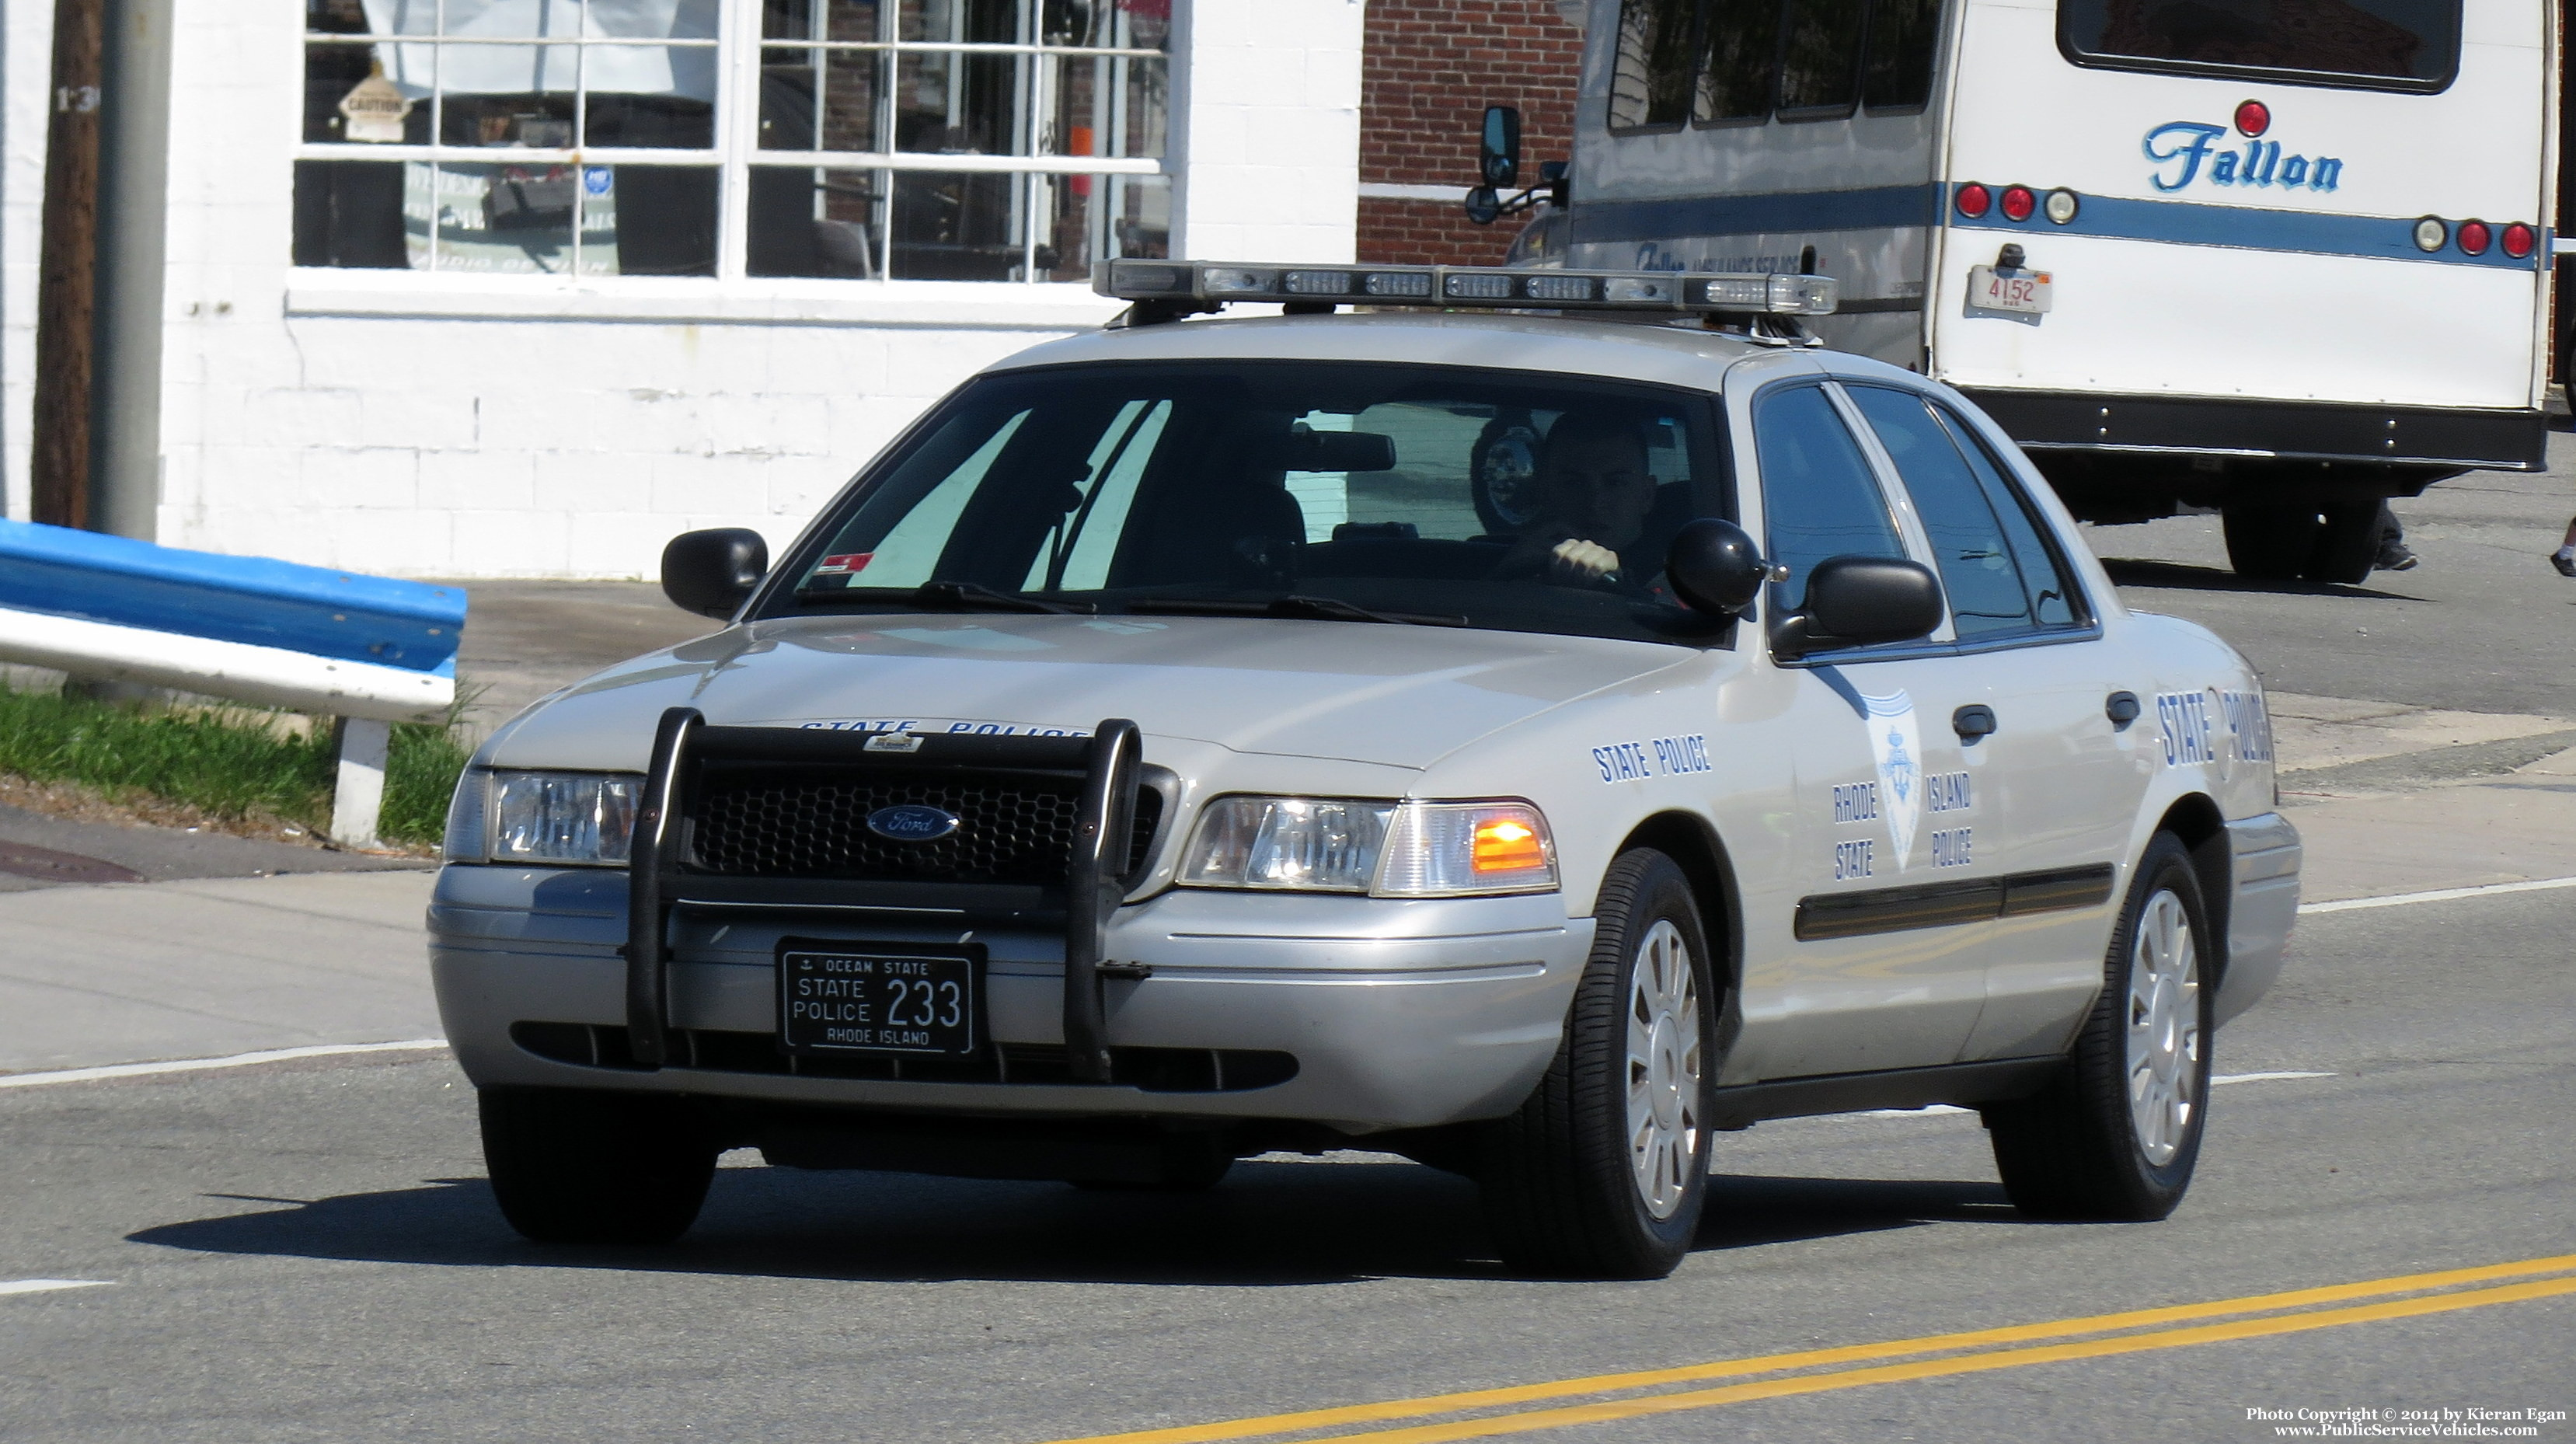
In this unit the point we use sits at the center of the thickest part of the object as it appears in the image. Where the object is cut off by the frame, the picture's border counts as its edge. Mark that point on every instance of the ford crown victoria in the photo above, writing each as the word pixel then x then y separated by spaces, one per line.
pixel 1535 744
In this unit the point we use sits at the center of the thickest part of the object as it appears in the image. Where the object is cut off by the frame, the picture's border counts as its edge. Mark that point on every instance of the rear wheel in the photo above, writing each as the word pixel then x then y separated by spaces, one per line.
pixel 2347 543
pixel 2270 543
pixel 1604 1170
pixel 2117 1136
pixel 596 1168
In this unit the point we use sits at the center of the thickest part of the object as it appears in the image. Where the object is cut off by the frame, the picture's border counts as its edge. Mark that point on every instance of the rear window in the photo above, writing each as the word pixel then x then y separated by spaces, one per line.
pixel 2371 44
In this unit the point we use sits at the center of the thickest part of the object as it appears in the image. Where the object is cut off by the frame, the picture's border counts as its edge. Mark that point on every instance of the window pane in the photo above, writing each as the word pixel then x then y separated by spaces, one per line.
pixel 1096 217
pixel 349 213
pixel 951 226
pixel 1820 55
pixel 958 103
pixel 332 71
pixel 506 95
pixel 660 220
pixel 1903 36
pixel 1105 105
pixel 1977 571
pixel 1133 483
pixel 2053 599
pixel 630 99
pixel 817 223
pixel 853 88
pixel 1819 499
pixel 2399 40
pixel 641 19
pixel 1650 76
pixel 1737 57
pixel 494 218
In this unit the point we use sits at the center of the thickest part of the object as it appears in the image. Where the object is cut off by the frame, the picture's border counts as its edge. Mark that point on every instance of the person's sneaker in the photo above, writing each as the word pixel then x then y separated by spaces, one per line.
pixel 2565 560
pixel 2394 556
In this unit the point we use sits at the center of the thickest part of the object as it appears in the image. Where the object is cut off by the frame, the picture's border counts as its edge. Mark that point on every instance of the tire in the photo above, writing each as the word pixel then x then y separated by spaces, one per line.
pixel 1569 1191
pixel 596 1168
pixel 2347 544
pixel 2269 543
pixel 2116 1137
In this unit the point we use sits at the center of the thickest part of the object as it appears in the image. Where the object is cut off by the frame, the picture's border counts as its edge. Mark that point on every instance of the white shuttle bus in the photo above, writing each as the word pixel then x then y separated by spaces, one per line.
pixel 2281 258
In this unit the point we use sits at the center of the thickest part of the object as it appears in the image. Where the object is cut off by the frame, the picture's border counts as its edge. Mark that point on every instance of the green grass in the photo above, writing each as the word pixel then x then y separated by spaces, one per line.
pixel 231 767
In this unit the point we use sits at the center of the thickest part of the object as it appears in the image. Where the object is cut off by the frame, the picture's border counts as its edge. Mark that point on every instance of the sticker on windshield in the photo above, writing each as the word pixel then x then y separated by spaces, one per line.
pixel 1898 749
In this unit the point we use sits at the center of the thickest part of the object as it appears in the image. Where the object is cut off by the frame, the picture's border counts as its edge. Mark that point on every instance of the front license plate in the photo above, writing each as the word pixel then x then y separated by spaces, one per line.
pixel 2023 291
pixel 879 998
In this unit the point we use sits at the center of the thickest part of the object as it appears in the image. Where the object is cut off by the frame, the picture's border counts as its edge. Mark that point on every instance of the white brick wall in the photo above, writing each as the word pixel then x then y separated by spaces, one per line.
pixel 452 426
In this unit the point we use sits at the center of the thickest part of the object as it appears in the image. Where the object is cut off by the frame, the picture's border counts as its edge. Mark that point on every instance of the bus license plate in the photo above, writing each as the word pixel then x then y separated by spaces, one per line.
pixel 886 998
pixel 2023 291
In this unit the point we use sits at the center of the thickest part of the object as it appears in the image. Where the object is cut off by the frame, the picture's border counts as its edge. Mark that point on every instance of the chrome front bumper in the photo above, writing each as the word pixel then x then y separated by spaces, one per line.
pixel 1400 1013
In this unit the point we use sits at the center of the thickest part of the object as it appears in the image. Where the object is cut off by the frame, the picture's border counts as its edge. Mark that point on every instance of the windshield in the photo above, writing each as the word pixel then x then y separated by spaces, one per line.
pixel 1427 495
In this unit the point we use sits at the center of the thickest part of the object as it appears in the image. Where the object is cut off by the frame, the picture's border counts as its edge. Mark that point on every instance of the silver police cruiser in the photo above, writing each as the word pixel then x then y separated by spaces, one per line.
pixel 1531 743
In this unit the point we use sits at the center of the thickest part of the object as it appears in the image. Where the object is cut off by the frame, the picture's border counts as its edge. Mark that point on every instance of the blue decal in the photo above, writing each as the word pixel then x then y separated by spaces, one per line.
pixel 1856 802
pixel 1853 859
pixel 2180 148
pixel 1947 792
pixel 2186 729
pixel 1953 848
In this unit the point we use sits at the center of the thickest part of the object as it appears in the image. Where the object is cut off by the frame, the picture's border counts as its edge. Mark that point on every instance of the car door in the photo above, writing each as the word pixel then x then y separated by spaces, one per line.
pixel 1878 961
pixel 2062 782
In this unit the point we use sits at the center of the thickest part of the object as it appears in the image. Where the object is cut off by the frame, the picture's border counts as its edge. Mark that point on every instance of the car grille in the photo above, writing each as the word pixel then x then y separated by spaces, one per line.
pixel 1012 828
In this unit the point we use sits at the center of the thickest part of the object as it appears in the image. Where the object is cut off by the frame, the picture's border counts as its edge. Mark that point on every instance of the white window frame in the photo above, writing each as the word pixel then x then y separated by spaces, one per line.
pixel 738 46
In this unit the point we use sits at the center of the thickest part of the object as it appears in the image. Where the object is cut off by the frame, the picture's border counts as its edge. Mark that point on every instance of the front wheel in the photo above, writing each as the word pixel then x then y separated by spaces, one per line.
pixel 593 1167
pixel 2117 1135
pixel 1603 1172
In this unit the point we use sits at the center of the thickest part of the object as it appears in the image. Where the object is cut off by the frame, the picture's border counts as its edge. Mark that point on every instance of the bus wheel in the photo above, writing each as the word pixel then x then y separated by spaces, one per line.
pixel 2347 543
pixel 2269 543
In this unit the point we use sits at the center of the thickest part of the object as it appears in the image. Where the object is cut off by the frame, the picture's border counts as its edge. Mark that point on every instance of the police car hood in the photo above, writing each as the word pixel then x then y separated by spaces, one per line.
pixel 1364 692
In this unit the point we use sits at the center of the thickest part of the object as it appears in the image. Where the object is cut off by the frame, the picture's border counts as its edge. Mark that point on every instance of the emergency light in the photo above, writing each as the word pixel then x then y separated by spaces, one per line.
pixel 1185 286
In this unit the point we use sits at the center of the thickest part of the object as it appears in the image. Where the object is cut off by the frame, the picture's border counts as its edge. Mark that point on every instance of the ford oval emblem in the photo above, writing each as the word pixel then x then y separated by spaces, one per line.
pixel 911 822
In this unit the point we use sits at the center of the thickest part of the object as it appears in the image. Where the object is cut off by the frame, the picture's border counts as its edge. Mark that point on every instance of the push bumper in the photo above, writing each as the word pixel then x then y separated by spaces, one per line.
pixel 2264 853
pixel 1398 1013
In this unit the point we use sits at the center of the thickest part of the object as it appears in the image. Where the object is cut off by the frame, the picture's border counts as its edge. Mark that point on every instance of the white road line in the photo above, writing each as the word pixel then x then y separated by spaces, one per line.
pixel 2401 899
pixel 196 1065
pixel 46 1286
pixel 2262 1077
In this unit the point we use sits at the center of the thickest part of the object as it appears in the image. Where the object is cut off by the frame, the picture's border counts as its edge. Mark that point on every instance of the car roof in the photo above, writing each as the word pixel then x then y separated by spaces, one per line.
pixel 1662 354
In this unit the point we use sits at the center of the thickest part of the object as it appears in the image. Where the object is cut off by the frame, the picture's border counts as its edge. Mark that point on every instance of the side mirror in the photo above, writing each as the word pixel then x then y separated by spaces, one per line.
pixel 1855 601
pixel 1715 568
pixel 1498 160
pixel 711 572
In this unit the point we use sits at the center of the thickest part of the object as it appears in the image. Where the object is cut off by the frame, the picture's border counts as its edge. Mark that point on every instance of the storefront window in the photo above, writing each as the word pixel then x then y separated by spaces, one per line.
pixel 989 140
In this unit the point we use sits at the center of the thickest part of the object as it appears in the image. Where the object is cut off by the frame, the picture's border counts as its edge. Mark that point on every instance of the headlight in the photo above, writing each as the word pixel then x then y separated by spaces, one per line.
pixel 469 819
pixel 1361 845
pixel 563 817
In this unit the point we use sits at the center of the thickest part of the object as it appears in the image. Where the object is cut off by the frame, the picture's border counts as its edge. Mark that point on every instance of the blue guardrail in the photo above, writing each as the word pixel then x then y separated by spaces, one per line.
pixel 315 610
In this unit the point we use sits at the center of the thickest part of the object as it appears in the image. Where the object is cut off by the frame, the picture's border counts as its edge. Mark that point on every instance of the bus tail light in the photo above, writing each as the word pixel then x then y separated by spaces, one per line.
pixel 2061 206
pixel 2518 240
pixel 2018 202
pixel 2431 234
pixel 1974 200
pixel 2474 238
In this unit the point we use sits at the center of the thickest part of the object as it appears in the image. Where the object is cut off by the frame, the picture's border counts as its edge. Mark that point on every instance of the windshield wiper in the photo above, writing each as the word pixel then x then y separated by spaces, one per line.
pixel 1292 607
pixel 951 597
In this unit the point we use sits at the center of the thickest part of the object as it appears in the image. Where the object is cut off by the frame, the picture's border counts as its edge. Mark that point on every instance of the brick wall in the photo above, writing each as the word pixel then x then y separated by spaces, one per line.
pixel 1427 71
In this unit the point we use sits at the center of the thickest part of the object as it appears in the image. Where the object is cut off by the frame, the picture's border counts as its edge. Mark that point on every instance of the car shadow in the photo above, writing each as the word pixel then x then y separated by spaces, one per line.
pixel 2187 576
pixel 1268 1224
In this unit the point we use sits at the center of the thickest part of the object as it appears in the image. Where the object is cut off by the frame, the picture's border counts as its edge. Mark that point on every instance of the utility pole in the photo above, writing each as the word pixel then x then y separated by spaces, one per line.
pixel 67 278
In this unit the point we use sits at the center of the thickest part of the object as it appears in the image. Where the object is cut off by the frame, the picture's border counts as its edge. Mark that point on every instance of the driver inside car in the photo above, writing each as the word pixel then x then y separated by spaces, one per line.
pixel 1594 493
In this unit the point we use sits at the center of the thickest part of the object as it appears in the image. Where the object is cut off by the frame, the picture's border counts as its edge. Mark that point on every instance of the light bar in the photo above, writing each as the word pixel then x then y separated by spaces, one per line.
pixel 1209 284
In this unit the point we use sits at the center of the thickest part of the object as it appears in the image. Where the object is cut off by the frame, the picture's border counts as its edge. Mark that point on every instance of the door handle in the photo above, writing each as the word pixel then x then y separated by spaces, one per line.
pixel 2121 708
pixel 1973 721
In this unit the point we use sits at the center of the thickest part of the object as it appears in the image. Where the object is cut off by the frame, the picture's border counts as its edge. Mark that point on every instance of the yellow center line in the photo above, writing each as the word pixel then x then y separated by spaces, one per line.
pixel 1956 1364
pixel 1396 1409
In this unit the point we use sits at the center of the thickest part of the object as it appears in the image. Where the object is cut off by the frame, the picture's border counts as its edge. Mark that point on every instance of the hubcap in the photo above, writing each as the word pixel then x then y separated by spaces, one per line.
pixel 1664 1069
pixel 2164 1029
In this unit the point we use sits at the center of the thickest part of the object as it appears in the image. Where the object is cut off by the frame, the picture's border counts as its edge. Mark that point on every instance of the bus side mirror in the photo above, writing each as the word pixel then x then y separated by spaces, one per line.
pixel 1715 568
pixel 1498 160
pixel 712 572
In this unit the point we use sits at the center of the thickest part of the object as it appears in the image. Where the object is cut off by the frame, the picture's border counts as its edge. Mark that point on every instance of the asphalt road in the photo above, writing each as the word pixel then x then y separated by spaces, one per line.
pixel 308 1251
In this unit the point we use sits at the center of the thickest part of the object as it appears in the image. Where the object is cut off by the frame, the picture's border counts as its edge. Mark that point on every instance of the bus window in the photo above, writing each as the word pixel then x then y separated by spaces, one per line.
pixel 1737 52
pixel 2383 44
pixel 1903 34
pixel 1650 80
pixel 1820 59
